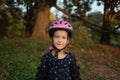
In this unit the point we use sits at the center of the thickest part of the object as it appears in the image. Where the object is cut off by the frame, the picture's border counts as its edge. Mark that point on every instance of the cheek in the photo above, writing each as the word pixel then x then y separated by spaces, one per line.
pixel 67 41
pixel 54 41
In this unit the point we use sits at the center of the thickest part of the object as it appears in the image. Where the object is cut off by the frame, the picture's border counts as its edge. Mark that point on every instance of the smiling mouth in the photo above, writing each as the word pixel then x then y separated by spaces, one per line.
pixel 59 44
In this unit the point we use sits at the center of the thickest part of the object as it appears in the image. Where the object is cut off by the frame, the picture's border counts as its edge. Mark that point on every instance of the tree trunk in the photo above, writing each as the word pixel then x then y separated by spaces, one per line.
pixel 30 16
pixel 106 29
pixel 42 22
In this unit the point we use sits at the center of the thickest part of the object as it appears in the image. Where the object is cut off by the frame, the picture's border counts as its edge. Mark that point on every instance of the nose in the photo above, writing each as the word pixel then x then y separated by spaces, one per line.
pixel 59 39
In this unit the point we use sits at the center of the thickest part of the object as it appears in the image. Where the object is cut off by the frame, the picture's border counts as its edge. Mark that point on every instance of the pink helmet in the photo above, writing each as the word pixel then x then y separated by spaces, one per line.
pixel 60 24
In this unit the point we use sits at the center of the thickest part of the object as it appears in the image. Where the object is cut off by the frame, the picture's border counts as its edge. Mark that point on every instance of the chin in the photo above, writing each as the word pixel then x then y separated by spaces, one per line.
pixel 60 47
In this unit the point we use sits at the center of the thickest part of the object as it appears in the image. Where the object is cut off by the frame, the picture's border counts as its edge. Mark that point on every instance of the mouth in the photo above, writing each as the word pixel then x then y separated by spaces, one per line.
pixel 59 44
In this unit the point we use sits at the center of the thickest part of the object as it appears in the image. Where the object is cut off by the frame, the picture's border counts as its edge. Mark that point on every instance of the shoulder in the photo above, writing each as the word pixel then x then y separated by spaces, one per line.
pixel 46 55
pixel 71 56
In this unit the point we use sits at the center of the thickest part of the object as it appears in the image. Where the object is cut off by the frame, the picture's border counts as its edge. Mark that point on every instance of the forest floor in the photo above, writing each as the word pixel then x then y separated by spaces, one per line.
pixel 19 59
pixel 99 64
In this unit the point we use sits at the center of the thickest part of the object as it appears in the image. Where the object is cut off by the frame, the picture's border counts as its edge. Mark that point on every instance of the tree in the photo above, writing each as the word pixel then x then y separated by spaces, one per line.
pixel 29 17
pixel 3 18
pixel 108 18
pixel 10 18
pixel 40 13
pixel 95 17
pixel 42 21
pixel 111 11
pixel 37 15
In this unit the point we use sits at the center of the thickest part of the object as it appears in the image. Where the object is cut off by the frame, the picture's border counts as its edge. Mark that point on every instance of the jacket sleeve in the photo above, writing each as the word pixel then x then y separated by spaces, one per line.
pixel 42 69
pixel 74 70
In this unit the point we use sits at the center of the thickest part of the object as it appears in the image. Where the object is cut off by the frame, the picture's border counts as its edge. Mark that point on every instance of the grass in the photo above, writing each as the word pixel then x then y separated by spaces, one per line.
pixel 19 59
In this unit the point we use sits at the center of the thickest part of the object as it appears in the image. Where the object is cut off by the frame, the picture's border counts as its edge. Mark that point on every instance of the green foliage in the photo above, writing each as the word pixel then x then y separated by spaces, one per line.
pixel 52 17
pixel 16 30
pixel 16 26
pixel 11 21
pixel 116 37
pixel 19 58
pixel 96 17
pixel 81 35
pixel 77 7
pixel 81 32
pixel 100 78
pixel 117 64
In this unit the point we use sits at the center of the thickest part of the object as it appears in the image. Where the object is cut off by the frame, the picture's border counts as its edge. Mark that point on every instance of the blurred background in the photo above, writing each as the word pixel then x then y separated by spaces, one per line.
pixel 24 36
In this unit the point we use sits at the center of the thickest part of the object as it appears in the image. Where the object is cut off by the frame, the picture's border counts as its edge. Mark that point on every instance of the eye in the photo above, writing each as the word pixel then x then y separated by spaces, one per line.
pixel 64 37
pixel 56 36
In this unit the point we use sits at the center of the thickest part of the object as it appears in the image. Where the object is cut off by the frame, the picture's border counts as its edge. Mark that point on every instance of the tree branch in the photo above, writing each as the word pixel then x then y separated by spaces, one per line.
pixel 62 10
pixel 116 28
pixel 84 20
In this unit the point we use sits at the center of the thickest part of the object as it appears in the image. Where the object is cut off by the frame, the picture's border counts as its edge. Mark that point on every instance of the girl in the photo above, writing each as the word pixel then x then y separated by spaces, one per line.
pixel 59 64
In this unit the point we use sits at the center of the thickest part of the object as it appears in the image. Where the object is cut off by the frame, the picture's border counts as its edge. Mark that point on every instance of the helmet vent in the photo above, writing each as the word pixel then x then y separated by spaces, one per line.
pixel 69 26
pixel 60 22
pixel 56 23
pixel 51 24
pixel 66 23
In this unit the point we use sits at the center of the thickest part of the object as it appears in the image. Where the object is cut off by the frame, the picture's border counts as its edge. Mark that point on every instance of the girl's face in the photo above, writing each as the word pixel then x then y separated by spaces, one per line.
pixel 60 39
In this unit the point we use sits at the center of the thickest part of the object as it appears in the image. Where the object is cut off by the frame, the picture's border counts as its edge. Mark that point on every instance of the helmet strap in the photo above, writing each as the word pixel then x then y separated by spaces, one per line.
pixel 58 50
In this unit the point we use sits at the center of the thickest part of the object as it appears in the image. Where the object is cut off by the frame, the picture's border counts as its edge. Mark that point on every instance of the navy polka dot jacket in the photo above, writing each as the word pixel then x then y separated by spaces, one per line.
pixel 58 69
